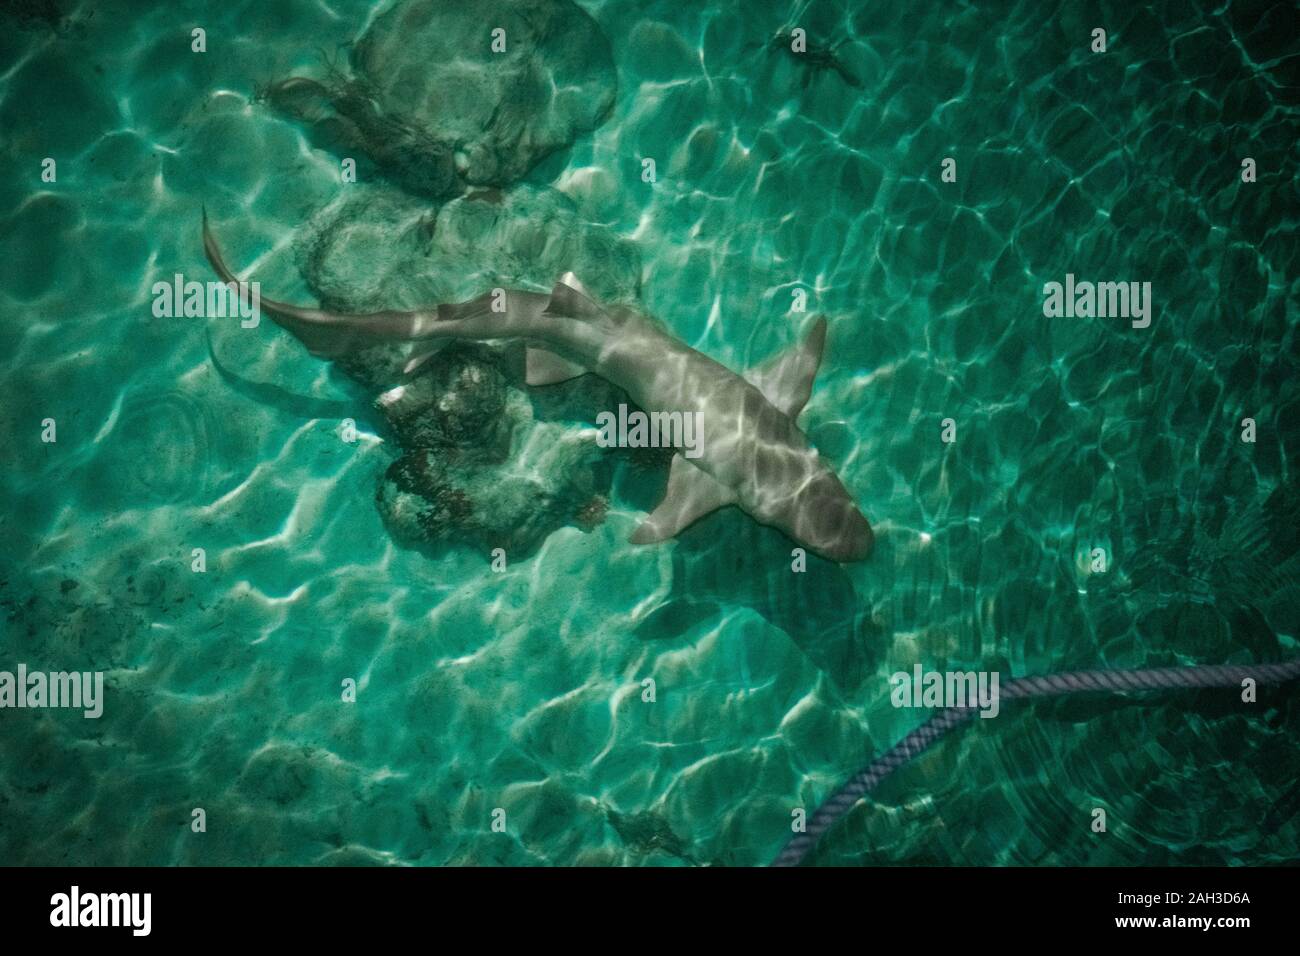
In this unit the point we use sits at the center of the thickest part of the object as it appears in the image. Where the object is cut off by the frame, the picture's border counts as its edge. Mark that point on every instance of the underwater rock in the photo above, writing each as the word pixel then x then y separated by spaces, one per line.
pixel 357 255
pixel 477 466
pixel 445 95
pixel 531 236
pixel 345 118
pixel 458 401
pixel 489 463
pixel 441 102
pixel 428 497
pixel 455 490
pixel 380 248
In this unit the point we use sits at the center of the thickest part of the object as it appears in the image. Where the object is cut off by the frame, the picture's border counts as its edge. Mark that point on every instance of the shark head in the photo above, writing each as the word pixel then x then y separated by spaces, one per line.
pixel 825 518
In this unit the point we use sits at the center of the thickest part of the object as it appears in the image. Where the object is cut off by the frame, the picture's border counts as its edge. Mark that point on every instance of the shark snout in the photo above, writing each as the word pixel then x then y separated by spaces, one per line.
pixel 859 539
pixel 831 524
pixel 853 539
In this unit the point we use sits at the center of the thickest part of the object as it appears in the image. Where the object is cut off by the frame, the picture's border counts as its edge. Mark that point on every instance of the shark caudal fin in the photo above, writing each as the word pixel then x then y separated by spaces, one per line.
pixel 692 493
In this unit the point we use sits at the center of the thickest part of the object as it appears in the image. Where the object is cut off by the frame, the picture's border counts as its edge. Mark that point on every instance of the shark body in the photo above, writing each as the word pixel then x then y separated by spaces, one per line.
pixel 753 453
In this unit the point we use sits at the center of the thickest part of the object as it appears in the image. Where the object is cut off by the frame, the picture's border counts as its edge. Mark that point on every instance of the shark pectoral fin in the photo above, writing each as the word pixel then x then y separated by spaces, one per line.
pixel 692 493
pixel 547 368
pixel 786 380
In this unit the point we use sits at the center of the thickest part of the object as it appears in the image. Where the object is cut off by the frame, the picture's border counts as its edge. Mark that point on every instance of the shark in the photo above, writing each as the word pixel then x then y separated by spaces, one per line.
pixel 753 454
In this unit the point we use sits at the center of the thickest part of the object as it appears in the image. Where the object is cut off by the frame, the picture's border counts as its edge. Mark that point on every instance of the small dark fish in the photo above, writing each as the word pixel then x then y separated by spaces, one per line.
pixel 815 58
pixel 644 833
pixel 1282 810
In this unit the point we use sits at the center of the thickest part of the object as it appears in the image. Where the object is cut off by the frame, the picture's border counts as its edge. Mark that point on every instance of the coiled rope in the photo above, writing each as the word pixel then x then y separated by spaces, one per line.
pixel 1052 685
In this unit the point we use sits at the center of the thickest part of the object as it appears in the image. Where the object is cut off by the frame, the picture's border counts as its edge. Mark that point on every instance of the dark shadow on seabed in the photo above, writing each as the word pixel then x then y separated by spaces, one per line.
pixel 727 559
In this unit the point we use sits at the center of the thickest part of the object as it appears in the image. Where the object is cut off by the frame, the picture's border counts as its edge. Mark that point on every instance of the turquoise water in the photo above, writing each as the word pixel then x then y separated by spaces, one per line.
pixel 522 689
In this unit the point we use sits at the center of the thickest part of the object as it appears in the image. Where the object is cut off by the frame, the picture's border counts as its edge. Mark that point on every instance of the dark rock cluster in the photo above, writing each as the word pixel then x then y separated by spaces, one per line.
pixel 448 125
pixel 444 95
pixel 477 466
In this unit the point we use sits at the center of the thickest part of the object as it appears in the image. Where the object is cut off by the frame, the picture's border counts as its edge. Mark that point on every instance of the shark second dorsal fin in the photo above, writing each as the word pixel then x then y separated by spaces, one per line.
pixel 547 368
pixel 692 493
pixel 786 379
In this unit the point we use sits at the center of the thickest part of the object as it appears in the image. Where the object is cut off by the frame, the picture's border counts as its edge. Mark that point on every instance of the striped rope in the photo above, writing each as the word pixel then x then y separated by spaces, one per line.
pixel 1051 685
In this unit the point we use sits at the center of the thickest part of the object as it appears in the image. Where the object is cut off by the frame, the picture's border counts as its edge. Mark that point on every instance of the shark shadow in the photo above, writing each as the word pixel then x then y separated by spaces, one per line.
pixel 727 560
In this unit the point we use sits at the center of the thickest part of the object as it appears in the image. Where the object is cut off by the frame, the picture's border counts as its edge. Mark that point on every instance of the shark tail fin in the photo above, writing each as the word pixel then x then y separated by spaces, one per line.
pixel 692 493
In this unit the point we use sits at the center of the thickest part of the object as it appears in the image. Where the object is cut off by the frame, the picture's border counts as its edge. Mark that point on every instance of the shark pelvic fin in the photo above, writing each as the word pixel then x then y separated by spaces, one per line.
pixel 418 359
pixel 547 368
pixel 786 379
pixel 692 493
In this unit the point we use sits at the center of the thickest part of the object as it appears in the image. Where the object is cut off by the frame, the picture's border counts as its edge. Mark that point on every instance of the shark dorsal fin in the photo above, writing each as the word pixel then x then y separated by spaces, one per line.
pixel 573 282
pixel 786 379
pixel 569 298
pixel 692 493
